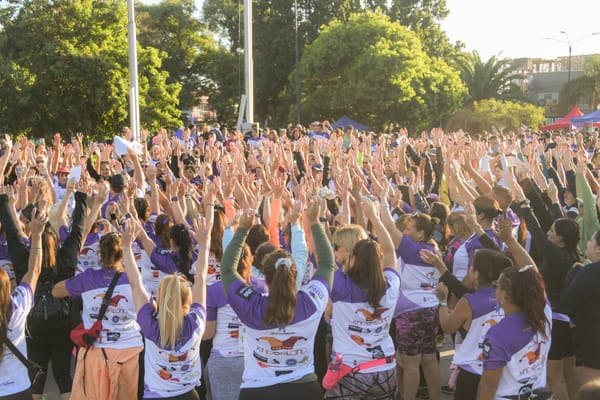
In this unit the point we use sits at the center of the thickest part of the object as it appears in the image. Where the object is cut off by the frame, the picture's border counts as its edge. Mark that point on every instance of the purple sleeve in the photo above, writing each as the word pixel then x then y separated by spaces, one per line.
pixel 76 285
pixel 148 323
pixel 495 352
pixel 163 260
pixel 63 233
pixel 246 303
pixel 215 298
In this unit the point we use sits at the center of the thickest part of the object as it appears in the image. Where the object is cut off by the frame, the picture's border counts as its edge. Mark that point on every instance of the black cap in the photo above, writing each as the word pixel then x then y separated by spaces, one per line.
pixel 117 183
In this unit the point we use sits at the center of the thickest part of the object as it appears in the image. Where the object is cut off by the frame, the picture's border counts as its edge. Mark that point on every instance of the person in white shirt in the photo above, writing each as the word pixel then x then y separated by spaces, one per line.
pixel 14 307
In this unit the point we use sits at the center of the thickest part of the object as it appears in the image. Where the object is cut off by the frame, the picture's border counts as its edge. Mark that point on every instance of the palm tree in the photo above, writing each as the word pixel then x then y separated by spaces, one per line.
pixel 492 79
pixel 586 88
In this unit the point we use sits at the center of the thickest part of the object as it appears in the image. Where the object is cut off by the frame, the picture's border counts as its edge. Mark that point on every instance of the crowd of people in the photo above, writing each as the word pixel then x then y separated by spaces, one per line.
pixel 300 263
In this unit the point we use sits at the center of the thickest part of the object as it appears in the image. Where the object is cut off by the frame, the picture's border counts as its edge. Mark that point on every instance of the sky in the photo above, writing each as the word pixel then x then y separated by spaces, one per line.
pixel 518 28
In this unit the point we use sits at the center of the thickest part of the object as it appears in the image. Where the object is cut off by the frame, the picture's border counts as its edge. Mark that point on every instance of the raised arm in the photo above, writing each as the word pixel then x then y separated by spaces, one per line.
pixel 203 227
pixel 385 240
pixel 34 267
pixel 140 296
pixel 324 252
pixel 386 218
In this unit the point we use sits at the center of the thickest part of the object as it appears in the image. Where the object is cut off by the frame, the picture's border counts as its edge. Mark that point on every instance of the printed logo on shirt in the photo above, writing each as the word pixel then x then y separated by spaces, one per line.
pixel 533 355
pixel 244 292
pixel 276 344
pixel 112 336
pixel 490 322
pixel 114 302
pixel 162 252
pixel 487 349
pixel 315 292
pixel 372 316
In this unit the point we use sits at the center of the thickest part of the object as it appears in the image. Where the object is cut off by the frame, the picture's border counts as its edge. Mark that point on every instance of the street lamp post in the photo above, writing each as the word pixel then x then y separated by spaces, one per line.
pixel 570 43
pixel 298 104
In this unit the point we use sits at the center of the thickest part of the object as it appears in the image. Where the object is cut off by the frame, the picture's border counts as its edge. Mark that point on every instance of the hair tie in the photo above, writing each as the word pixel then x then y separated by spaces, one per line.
pixel 283 261
pixel 525 268
pixel 166 221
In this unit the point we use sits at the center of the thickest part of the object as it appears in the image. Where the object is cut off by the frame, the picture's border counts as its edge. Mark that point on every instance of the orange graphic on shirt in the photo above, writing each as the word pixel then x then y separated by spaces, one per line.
pixel 370 316
pixel 234 334
pixel 491 322
pixel 532 356
pixel 167 376
pixel 174 358
pixel 86 250
pixel 114 302
pixel 359 340
pixel 276 344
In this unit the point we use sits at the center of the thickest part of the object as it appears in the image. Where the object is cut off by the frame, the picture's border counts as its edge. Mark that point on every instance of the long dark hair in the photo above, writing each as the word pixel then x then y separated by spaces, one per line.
pixel 425 224
pixel 490 264
pixel 367 270
pixel 183 258
pixel 216 234
pixel 568 230
pixel 282 288
pixel 525 286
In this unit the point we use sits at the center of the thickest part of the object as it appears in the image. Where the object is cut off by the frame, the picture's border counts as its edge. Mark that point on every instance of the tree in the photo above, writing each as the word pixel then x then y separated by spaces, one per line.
pixel 492 79
pixel 171 27
pixel 423 18
pixel 67 66
pixel 585 89
pixel 376 70
pixel 503 115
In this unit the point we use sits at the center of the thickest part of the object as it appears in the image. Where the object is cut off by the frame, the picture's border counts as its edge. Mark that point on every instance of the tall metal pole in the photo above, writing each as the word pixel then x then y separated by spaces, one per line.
pixel 248 62
pixel 134 103
pixel 298 103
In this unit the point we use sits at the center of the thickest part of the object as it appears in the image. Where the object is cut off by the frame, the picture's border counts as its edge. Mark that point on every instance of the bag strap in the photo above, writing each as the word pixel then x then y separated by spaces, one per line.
pixel 25 361
pixel 374 363
pixel 108 296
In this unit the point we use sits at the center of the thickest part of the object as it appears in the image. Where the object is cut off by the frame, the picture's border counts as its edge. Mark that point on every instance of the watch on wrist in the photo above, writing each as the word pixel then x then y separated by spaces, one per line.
pixel 174 198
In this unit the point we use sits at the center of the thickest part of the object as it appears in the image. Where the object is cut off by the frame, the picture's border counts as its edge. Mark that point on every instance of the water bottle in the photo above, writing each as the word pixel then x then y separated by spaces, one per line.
pixel 336 363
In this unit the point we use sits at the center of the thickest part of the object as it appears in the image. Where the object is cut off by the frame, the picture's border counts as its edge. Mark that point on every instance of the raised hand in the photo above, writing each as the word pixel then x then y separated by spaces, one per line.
pixel 202 230
pixel 504 230
pixel 313 210
pixel 38 221
pixel 129 232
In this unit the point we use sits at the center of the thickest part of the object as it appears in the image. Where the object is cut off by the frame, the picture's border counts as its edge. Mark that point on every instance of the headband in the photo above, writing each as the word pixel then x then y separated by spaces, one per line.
pixel 283 261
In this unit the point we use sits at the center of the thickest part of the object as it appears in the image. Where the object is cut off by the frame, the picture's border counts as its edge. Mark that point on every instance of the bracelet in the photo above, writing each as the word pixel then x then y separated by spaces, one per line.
pixel 35 248
pixel 322 219
pixel 210 204
pixel 443 304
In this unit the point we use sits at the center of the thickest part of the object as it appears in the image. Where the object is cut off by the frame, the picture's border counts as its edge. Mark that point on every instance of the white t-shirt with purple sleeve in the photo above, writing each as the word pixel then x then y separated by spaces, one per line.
pixel 226 342
pixel 176 371
pixel 418 279
pixel 521 353
pixel 278 354
pixel 120 329
pixel 14 377
pixel 361 333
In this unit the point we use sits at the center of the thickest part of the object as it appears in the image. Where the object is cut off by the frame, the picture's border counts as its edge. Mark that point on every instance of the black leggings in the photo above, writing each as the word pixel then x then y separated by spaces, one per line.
pixel 55 348
pixel 24 395
pixel 287 391
pixel 466 385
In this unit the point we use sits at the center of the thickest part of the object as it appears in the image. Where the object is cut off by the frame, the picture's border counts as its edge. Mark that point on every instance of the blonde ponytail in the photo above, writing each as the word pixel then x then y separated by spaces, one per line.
pixel 173 293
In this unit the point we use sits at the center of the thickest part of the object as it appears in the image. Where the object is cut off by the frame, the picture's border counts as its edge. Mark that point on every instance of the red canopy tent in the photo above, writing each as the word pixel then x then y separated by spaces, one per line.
pixel 564 122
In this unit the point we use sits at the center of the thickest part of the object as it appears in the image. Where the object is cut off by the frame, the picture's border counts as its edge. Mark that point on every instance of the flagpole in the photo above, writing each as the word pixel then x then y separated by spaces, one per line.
pixel 134 104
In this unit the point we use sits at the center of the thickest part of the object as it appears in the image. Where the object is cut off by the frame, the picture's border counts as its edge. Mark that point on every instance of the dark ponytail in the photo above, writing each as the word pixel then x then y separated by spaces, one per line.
pixel 426 224
pixel 568 230
pixel 525 286
pixel 183 259
pixel 280 275
pixel 367 270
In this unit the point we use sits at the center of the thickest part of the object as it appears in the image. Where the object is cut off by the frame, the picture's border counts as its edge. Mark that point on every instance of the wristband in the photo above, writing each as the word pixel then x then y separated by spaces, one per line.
pixel 443 304
pixel 174 198
pixel 322 219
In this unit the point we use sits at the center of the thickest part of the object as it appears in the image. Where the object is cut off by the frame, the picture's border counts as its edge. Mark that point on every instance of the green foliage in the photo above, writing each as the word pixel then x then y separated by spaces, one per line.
pixel 375 70
pixel 492 79
pixel 67 69
pixel 171 27
pixel 585 89
pixel 501 114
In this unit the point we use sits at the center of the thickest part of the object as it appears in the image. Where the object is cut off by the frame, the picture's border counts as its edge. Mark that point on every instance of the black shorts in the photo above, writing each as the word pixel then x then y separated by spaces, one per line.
pixel 562 341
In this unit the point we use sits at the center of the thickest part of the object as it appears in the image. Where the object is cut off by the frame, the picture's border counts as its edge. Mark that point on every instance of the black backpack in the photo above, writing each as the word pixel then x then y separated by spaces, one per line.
pixel 48 313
